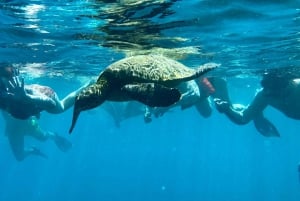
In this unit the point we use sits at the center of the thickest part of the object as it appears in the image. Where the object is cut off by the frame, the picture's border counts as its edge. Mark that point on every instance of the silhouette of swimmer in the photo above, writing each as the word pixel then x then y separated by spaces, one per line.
pixel 15 129
pixel 280 89
pixel 23 101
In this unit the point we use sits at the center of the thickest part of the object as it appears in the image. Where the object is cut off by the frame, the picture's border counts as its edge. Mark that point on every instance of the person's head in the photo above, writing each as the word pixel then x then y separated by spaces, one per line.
pixel 7 71
pixel 275 81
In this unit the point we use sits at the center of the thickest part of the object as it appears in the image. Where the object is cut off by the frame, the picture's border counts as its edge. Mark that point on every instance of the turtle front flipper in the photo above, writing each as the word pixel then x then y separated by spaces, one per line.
pixel 152 94
pixel 205 68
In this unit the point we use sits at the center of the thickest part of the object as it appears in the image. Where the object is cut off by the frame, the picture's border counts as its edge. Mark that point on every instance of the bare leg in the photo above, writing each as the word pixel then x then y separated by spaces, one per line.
pixel 62 143
pixel 221 90
pixel 16 141
pixel 15 131
pixel 204 107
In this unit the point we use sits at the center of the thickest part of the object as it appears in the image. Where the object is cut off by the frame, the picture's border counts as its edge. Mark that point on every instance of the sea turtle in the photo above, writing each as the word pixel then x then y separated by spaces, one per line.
pixel 149 79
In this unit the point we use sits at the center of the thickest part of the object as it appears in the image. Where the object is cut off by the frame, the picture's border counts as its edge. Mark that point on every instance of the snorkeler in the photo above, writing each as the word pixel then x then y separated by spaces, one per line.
pixel 16 130
pixel 280 89
pixel 23 101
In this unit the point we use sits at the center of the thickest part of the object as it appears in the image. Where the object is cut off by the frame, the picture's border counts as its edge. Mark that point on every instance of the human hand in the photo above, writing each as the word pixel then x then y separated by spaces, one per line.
pixel 147 115
pixel 159 111
pixel 16 87
pixel 221 105
pixel 238 107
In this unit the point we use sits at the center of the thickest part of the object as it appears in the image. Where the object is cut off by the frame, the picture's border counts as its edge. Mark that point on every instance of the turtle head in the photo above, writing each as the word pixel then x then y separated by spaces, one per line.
pixel 87 99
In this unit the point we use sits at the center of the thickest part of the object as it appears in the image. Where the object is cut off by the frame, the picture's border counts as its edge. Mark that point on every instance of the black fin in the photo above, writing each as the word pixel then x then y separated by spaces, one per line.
pixel 62 143
pixel 265 127
pixel 151 94
pixel 37 152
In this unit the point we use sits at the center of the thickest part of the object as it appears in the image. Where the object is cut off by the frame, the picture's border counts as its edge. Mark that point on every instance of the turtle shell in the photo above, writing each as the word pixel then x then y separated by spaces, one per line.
pixel 149 68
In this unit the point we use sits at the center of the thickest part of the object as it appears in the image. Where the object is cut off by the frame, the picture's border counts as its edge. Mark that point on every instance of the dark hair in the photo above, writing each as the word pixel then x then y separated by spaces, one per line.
pixel 275 81
pixel 7 70
pixel 279 77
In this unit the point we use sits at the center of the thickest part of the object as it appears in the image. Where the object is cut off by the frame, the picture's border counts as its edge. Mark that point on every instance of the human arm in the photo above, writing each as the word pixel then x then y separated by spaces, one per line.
pixel 249 113
pixel 18 92
pixel 204 108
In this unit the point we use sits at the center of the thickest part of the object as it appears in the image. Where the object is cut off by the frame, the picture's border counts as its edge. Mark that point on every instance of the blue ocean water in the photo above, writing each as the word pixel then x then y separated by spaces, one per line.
pixel 180 156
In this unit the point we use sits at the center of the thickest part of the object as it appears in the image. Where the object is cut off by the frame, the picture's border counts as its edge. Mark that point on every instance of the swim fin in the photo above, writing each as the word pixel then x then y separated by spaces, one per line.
pixel 37 152
pixel 265 127
pixel 62 143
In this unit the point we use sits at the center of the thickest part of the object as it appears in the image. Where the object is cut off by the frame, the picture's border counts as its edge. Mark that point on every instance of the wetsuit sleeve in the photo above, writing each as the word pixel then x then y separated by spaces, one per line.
pixel 249 113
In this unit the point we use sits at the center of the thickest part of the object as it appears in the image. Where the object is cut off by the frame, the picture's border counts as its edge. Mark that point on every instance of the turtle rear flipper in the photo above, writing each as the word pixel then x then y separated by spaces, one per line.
pixel 152 94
